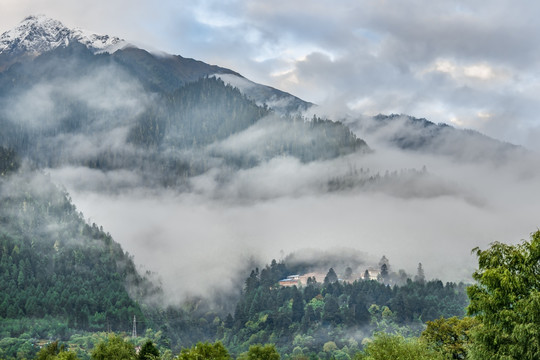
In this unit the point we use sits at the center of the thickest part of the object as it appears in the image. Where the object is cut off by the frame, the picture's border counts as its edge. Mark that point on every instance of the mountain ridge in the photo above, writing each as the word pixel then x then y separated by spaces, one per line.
pixel 38 34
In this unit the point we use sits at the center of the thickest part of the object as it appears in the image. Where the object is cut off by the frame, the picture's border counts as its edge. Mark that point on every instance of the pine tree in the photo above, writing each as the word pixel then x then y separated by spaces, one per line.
pixel 331 277
pixel 420 277
pixel 366 275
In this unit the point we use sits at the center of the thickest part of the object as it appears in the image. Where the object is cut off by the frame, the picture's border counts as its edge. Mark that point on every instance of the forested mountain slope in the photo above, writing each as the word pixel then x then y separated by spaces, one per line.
pixel 70 107
pixel 54 265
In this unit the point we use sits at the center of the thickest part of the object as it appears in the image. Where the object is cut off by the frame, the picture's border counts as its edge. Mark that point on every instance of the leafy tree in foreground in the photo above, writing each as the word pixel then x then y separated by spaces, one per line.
pixel 148 351
pixel 396 347
pixel 114 348
pixel 53 351
pixel 260 352
pixel 205 350
pixel 506 300
pixel 451 337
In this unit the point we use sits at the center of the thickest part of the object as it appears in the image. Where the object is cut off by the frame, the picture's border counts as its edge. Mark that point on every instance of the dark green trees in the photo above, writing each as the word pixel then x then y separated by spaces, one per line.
pixel 260 352
pixel 54 351
pixel 53 264
pixel 205 350
pixel 114 348
pixel 148 352
pixel 396 347
pixel 506 300
pixel 420 277
pixel 297 306
pixel 331 277
pixel 306 317
pixel 9 161
pixel 331 311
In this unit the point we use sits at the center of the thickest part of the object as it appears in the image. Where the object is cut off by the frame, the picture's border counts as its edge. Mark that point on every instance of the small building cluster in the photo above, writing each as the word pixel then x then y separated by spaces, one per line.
pixel 302 280
pixel 298 280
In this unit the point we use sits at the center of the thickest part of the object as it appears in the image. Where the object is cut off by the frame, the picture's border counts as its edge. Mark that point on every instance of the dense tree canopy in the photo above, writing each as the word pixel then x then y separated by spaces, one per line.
pixel 317 313
pixel 148 351
pixel 55 351
pixel 395 347
pixel 114 347
pixel 205 350
pixel 260 352
pixel 451 337
pixel 506 300
pixel 54 264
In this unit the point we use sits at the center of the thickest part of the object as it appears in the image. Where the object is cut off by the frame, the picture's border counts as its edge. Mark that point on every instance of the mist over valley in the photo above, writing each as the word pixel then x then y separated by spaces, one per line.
pixel 202 175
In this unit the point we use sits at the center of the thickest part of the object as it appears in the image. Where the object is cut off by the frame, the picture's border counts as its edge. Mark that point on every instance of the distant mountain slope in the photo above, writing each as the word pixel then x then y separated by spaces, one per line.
pixel 274 98
pixel 69 106
pixel 413 134
pixel 55 265
pixel 164 73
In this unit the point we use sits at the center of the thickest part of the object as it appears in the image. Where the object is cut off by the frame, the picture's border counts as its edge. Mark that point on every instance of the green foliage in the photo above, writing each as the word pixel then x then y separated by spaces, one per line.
pixel 396 347
pixel 331 277
pixel 148 351
pixel 53 351
pixel 22 347
pixel 205 350
pixel 48 352
pixel 9 161
pixel 115 347
pixel 451 337
pixel 506 300
pixel 329 346
pixel 305 318
pixel 260 352
pixel 53 264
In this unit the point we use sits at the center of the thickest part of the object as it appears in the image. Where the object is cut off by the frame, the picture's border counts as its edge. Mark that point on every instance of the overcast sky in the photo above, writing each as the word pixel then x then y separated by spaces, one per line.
pixel 470 63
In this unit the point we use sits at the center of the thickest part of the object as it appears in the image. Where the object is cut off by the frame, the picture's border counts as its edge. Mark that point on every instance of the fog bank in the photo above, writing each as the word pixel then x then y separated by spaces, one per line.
pixel 199 242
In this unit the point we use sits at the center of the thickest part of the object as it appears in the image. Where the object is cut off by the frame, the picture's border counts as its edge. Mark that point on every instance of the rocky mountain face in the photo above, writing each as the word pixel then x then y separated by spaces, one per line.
pixel 36 35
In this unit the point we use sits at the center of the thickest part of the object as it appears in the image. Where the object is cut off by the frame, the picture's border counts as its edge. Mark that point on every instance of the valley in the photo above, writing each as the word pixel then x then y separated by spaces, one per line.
pixel 154 201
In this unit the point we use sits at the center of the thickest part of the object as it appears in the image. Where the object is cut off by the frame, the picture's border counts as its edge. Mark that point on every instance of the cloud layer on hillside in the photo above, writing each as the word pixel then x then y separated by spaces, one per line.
pixel 200 241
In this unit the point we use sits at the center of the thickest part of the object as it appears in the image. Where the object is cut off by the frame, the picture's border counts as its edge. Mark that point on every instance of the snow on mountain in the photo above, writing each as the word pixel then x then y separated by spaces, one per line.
pixel 38 34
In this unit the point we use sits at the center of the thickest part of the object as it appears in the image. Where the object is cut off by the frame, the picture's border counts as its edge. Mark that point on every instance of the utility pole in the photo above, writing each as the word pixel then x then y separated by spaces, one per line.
pixel 134 332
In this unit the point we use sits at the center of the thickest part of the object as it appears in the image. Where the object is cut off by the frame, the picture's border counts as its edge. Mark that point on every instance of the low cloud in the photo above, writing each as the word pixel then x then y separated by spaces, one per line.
pixel 199 241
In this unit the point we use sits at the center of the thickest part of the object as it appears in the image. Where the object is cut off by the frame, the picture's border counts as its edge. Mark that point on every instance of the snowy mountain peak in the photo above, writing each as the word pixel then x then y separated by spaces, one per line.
pixel 37 34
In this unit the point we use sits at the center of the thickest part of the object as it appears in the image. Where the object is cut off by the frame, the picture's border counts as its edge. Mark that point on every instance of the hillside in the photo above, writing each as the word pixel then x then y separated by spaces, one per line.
pixel 55 114
pixel 412 134
pixel 56 267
